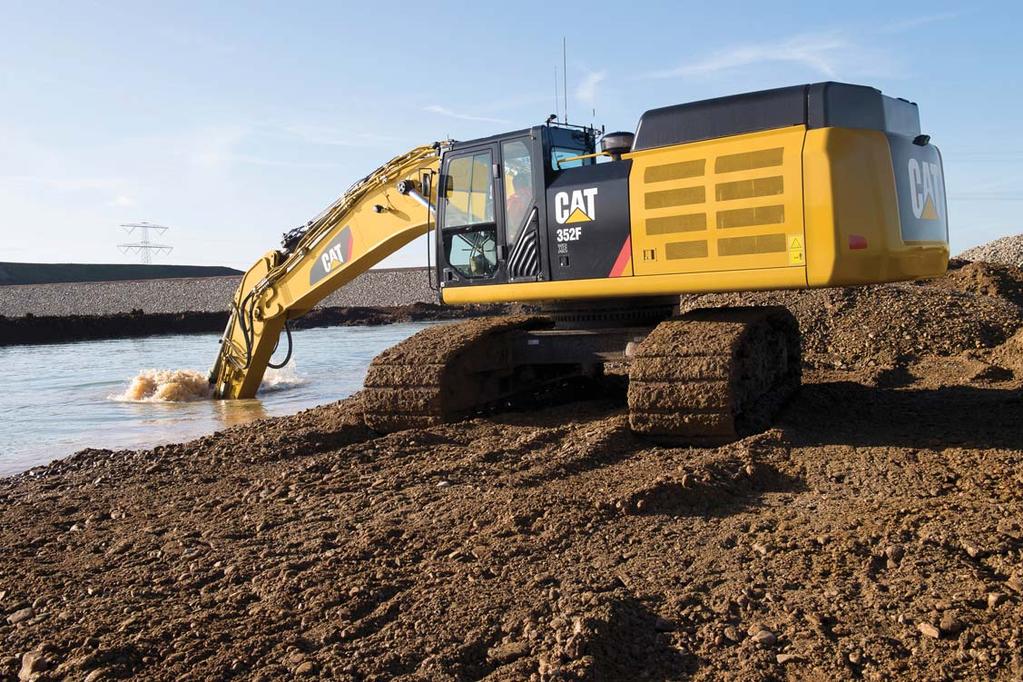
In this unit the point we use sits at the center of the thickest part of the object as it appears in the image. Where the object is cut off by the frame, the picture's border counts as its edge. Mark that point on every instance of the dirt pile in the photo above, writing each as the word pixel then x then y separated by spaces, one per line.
pixel 975 306
pixel 874 533
pixel 1004 251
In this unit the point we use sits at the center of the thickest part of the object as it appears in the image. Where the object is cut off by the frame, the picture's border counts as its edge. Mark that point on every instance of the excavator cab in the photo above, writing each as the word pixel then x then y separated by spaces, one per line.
pixel 493 210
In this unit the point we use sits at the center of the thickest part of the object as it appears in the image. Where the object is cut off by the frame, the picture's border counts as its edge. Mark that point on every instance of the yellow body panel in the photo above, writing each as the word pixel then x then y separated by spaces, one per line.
pixel 850 198
pixel 719 205
pixel 611 287
pixel 780 209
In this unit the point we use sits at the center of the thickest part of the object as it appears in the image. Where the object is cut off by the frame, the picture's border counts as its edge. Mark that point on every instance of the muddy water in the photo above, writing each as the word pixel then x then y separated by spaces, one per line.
pixel 126 393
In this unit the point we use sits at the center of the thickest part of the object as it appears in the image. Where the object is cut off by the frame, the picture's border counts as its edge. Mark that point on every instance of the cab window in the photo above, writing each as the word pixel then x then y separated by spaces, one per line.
pixel 469 230
pixel 472 251
pixel 469 195
pixel 560 153
pixel 518 186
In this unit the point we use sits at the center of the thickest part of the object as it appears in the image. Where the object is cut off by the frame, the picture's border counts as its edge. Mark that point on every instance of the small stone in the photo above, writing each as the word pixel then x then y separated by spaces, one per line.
pixel 508 652
pixel 33 663
pixel 1015 583
pixel 855 657
pixel 949 623
pixel 307 668
pixel 928 630
pixel 971 550
pixel 443 484
pixel 760 549
pixel 732 633
pixel 21 615
pixel 95 675
pixel 994 599
pixel 764 638
pixel 786 658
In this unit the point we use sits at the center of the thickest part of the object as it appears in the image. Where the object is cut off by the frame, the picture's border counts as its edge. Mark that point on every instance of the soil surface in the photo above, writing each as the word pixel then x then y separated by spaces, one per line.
pixel 875 532
pixel 30 329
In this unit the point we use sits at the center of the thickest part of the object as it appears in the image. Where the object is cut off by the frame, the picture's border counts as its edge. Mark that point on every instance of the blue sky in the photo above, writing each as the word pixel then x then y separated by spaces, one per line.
pixel 233 122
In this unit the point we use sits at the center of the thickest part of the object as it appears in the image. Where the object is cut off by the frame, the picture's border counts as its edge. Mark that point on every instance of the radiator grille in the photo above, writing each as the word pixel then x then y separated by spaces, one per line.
pixel 692 222
pixel 675 171
pixel 745 189
pixel 676 197
pixel 747 217
pixel 677 250
pixel 743 246
pixel 762 158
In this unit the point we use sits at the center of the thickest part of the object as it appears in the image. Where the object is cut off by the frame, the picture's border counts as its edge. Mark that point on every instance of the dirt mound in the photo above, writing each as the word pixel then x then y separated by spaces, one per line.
pixel 1004 251
pixel 975 306
pixel 875 533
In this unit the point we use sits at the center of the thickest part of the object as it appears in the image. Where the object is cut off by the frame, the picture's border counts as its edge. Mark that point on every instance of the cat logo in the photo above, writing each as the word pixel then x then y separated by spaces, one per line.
pixel 924 185
pixel 337 253
pixel 579 207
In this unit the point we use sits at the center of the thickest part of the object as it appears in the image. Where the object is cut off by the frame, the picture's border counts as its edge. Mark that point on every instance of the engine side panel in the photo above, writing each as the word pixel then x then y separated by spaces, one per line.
pixel 720 205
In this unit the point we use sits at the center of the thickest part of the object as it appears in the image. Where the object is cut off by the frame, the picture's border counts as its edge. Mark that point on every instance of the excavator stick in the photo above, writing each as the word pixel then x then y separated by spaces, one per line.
pixel 373 219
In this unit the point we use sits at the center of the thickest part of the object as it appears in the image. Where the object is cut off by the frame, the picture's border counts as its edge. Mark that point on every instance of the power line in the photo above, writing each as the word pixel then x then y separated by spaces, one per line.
pixel 144 247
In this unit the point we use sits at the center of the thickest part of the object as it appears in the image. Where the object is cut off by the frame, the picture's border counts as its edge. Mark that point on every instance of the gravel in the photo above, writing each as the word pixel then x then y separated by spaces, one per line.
pixel 384 287
pixel 1004 251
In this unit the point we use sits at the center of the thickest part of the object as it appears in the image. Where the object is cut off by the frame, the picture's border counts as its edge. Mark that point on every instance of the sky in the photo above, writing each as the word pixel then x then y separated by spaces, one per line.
pixel 234 122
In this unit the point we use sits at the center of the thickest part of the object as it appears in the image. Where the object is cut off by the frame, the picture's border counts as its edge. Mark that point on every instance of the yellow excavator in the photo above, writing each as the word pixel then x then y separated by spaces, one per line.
pixel 818 185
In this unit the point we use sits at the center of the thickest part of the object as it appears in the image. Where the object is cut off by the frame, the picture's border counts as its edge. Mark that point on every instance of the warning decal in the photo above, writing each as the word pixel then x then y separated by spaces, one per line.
pixel 796 255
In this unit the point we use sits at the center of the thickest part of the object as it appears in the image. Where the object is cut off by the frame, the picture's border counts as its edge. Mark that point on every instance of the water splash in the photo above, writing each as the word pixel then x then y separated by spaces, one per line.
pixel 189 385
pixel 166 386
pixel 281 379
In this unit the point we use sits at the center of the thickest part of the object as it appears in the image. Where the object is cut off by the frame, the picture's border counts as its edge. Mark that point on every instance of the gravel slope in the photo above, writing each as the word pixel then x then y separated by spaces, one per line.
pixel 391 287
pixel 1004 251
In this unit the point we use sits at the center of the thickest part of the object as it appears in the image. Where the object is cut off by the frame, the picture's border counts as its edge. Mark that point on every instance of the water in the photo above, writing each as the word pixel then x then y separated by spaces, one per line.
pixel 56 399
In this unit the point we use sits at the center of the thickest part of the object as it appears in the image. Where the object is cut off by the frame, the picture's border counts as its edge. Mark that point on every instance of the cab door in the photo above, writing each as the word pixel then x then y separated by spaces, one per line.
pixel 522 180
pixel 470 218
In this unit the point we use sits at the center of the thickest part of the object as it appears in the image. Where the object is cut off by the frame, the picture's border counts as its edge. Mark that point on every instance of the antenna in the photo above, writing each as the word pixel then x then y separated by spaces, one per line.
pixel 564 71
pixel 557 109
pixel 144 247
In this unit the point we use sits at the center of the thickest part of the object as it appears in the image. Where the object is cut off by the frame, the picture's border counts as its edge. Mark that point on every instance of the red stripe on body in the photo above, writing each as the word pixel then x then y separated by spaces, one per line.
pixel 623 258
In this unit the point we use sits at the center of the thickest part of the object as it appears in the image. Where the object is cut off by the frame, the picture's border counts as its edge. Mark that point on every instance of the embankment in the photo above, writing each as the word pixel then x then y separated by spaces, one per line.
pixel 47 313
pixel 385 287
pixel 56 329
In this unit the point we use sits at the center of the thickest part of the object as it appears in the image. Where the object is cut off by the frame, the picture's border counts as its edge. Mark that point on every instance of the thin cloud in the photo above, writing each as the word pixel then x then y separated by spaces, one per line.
pixel 444 111
pixel 917 22
pixel 586 91
pixel 816 52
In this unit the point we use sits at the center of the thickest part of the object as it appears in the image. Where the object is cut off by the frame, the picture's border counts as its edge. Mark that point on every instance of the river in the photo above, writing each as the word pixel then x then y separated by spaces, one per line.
pixel 56 399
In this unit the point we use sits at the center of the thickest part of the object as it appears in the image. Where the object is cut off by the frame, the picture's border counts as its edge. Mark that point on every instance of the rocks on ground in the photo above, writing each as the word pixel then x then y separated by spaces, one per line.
pixel 875 533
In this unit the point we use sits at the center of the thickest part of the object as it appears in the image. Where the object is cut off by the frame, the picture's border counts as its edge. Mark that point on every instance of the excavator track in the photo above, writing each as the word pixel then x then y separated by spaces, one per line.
pixel 714 375
pixel 444 372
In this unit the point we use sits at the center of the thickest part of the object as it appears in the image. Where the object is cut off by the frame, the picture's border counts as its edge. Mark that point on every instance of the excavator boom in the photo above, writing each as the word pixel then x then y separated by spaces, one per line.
pixel 374 218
